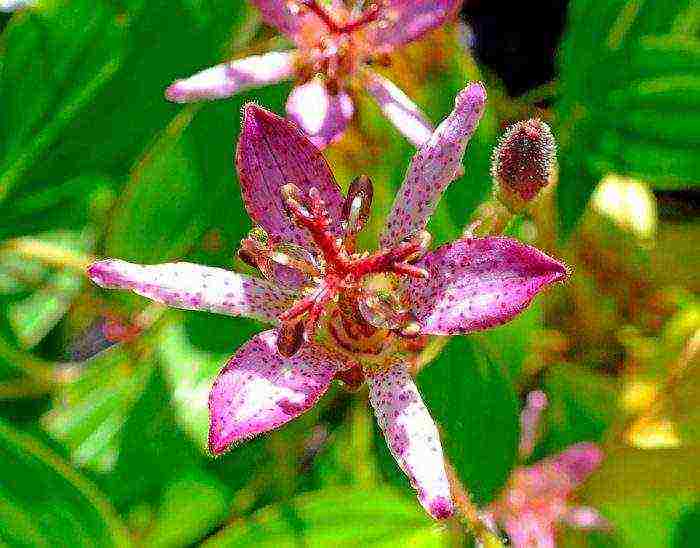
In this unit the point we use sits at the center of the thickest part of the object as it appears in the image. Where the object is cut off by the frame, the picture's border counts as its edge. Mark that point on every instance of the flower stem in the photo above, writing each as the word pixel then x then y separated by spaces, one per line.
pixel 490 219
pixel 468 511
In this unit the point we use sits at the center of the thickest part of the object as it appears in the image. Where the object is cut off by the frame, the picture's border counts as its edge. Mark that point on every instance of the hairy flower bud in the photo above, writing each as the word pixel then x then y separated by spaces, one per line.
pixel 523 162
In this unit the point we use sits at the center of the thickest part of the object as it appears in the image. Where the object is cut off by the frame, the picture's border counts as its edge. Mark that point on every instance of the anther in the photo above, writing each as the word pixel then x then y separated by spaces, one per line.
pixel 294 202
pixel 419 244
pixel 290 337
pixel 356 208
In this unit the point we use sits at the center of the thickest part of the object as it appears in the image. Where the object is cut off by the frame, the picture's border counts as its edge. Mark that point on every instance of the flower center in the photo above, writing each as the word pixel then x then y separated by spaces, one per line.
pixel 355 293
pixel 339 48
pixel 367 16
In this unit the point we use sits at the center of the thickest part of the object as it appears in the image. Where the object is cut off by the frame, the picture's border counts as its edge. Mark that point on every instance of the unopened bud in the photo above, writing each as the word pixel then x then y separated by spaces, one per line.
pixel 290 337
pixel 523 162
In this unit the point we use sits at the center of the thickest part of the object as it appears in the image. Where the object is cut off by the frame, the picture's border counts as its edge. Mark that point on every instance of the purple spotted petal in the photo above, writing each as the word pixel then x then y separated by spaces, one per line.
pixel 403 21
pixel 577 462
pixel 194 287
pixel 323 116
pixel 259 390
pixel 527 531
pixel 412 437
pixel 227 79
pixel 272 152
pixel 478 283
pixel 399 109
pixel 434 166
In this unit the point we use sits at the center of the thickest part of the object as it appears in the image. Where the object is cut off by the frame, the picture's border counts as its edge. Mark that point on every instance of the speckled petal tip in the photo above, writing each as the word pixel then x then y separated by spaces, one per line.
pixel 412 437
pixel 323 116
pixel 194 287
pixel 271 153
pixel 259 390
pixel 227 79
pixel 434 167
pixel 403 21
pixel 477 283
pixel 399 109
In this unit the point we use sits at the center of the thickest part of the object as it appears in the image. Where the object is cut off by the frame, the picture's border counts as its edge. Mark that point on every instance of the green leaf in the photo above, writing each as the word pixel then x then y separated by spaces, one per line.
pixel 629 98
pixel 191 505
pixel 77 76
pixel 190 371
pixel 472 398
pixel 582 404
pixel 644 492
pixel 342 517
pixel 44 502
pixel 88 413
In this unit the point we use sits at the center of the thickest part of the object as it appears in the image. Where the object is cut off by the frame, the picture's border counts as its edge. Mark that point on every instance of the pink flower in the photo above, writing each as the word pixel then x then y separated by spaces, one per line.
pixel 538 497
pixel 340 313
pixel 335 47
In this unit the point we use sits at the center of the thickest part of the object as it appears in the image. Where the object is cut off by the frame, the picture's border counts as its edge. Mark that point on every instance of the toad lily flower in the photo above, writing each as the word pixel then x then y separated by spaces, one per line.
pixel 335 46
pixel 340 313
pixel 538 497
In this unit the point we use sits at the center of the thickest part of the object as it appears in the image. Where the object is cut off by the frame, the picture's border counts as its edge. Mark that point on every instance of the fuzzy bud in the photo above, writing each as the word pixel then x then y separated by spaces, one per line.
pixel 523 162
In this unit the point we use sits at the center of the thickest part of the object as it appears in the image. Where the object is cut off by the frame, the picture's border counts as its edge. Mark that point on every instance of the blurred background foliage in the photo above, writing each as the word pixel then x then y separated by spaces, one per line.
pixel 94 162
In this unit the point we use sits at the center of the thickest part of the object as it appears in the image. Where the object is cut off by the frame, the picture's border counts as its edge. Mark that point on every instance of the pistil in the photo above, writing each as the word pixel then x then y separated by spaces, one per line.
pixel 344 269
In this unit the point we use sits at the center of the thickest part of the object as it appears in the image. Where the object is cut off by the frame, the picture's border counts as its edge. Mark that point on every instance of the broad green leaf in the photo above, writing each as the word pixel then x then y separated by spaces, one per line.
pixel 153 451
pixel 687 528
pixel 84 81
pixel 89 412
pixel 582 404
pixel 472 398
pixel 44 502
pixel 190 370
pixel 644 492
pixel 629 98
pixel 190 507
pixel 70 205
pixel 342 517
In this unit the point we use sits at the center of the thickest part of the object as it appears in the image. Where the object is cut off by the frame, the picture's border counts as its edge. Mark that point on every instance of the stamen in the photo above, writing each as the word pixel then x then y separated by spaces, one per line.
pixel 310 213
pixel 410 270
pixel 398 258
pixel 381 309
pixel 298 308
pixel 290 337
pixel 323 297
pixel 356 209
pixel 294 256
